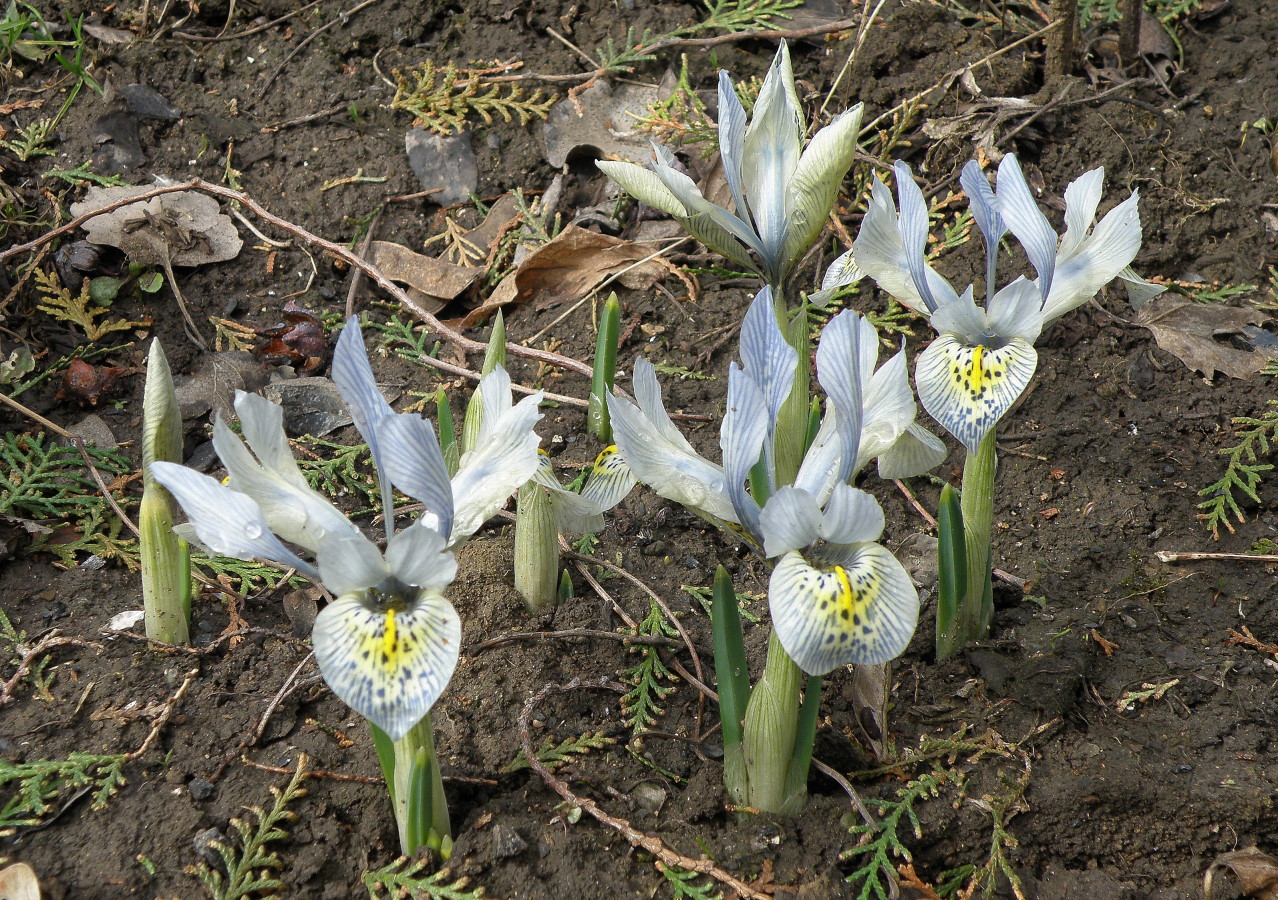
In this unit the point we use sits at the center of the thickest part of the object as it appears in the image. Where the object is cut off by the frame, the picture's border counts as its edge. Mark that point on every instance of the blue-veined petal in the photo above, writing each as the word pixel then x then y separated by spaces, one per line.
pixel 766 356
pixel 227 522
pixel 644 185
pixel 838 360
pixel 1139 291
pixel 820 467
pixel 915 452
pixel 350 563
pixel 888 409
pixel 1025 220
pixel 962 317
pixel 417 556
pixel 815 183
pixel 1015 311
pixel 609 481
pixel 1082 196
pixel 969 388
pixel 718 229
pixel 496 468
pixel 790 520
pixel 389 665
pixel 353 376
pixel 647 390
pixel 772 151
pixel 415 465
pixel 851 516
pixel 842 272
pixel 495 400
pixel 913 227
pixel 573 512
pixel 292 509
pixel 1109 250
pixel 858 608
pixel 742 436
pixel 732 129
pixel 670 467
pixel 984 206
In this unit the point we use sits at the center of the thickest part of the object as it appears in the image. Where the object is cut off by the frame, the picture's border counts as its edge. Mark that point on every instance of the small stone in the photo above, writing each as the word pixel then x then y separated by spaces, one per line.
pixel 507 842
pixel 200 789
pixel 648 796
pixel 656 548
pixel 203 844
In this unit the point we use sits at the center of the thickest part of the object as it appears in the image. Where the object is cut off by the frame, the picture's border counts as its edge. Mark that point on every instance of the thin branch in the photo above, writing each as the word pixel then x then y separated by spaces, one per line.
pixel 649 843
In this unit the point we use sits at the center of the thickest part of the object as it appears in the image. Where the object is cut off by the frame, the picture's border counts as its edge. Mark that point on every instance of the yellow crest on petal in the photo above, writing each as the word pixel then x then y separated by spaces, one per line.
pixel 968 388
pixel 390 665
pixel 861 610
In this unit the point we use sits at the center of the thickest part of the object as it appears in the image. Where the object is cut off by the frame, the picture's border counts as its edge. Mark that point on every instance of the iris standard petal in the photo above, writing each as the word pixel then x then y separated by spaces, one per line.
pixel 913 229
pixel 888 409
pixel 962 317
pixel 915 452
pixel 415 464
pixel 1025 220
pixel 984 206
pixel 766 356
pixel 353 376
pixel 813 187
pixel 350 563
pixel 820 467
pixel 732 129
pixel 790 520
pixel 1109 250
pixel 227 522
pixel 969 388
pixel 1081 199
pixel 293 511
pixel 495 469
pixel 1015 311
pixel 772 150
pixel 417 556
pixel 859 608
pixel 851 516
pixel 742 435
pixel 389 665
pixel 838 360
pixel 671 468
pixel 644 185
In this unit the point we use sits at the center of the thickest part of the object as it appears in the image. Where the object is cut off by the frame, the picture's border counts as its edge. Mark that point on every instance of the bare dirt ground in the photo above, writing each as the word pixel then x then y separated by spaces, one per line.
pixel 1110 740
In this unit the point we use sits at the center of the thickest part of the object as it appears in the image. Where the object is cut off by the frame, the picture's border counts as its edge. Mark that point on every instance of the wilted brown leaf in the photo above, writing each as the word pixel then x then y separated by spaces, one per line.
pixel 569 267
pixel 1255 874
pixel 19 882
pixel 1189 331
pixel 184 229
pixel 431 282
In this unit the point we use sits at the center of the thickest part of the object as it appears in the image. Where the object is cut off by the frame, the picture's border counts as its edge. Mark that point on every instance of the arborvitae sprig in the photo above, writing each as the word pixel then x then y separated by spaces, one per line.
pixel 444 98
pixel 886 843
pixel 1243 472
pixel 642 705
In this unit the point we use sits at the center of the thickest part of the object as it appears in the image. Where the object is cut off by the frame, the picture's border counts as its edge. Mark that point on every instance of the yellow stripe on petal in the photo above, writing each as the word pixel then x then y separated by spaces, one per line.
pixel 969 388
pixel 389 665
pixel 610 479
pixel 858 612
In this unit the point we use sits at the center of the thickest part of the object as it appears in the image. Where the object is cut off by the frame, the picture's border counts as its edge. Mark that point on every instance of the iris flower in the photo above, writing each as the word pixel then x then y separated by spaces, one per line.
pixel 836 595
pixel 389 643
pixel 781 191
pixel 983 358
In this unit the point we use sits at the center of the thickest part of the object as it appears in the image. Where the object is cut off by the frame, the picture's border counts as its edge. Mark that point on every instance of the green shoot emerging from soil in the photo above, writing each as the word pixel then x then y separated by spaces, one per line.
pixel 1243 471
pixel 250 864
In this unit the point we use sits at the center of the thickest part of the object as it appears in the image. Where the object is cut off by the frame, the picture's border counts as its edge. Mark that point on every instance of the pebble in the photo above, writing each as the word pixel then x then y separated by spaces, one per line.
pixel 507 842
pixel 656 548
pixel 203 844
pixel 200 789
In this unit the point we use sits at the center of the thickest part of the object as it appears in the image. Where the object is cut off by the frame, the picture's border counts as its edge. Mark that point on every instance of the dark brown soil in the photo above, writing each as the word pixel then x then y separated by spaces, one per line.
pixel 1100 796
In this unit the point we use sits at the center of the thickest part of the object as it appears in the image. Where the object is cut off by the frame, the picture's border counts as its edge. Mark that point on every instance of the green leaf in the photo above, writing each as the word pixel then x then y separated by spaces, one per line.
pixel 952 565
pixel 605 372
pixel 151 282
pixel 730 666
pixel 104 289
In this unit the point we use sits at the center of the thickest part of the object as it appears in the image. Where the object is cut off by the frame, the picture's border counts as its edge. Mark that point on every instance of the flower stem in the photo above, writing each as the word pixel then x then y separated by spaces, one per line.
pixel 792 420
pixel 977 611
pixel 421 809
pixel 771 725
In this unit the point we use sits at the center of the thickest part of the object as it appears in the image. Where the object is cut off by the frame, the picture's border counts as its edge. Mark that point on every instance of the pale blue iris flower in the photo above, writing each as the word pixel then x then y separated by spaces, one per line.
pixel 836 596
pixel 983 357
pixel 389 643
pixel 781 190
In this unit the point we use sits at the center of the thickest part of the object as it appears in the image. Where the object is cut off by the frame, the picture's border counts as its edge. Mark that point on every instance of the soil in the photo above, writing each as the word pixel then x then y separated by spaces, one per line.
pixel 1108 739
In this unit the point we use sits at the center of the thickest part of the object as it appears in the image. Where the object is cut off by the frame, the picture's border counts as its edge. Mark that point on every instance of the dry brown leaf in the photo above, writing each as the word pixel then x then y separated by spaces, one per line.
pixel 431 282
pixel 571 266
pixel 871 685
pixel 1188 331
pixel 486 235
pixel 1254 872
pixel 19 882
pixel 183 229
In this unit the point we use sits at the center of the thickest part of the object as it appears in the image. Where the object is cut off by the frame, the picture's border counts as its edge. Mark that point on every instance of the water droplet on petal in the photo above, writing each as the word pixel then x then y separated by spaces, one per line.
pixel 252 531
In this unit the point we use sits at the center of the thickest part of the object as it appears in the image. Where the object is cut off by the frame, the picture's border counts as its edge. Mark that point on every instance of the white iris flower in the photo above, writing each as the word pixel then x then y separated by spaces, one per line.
pixel 983 358
pixel 389 643
pixel 836 596
pixel 781 190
